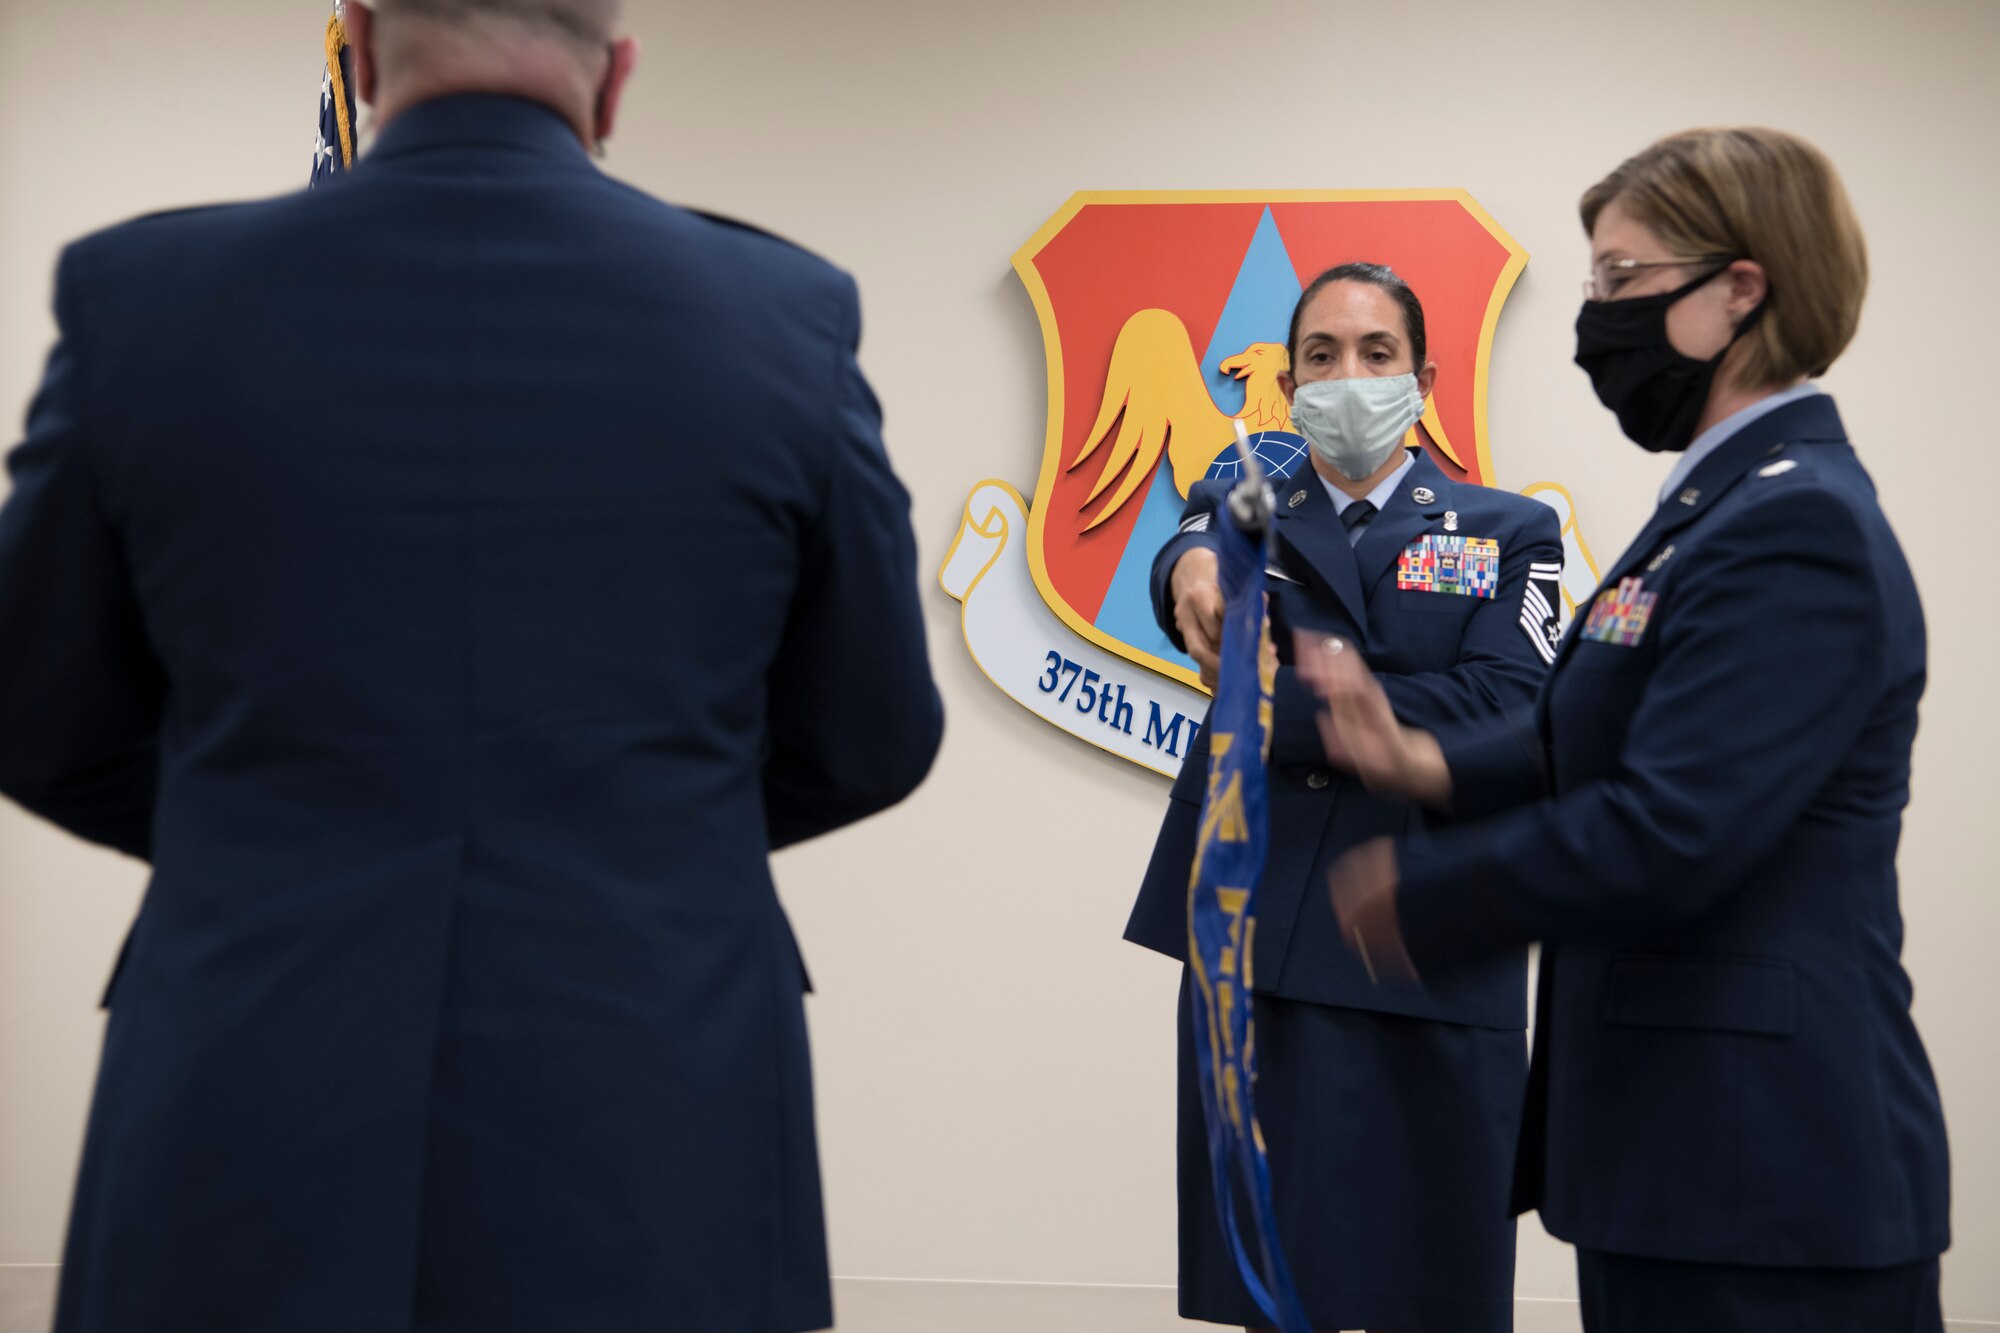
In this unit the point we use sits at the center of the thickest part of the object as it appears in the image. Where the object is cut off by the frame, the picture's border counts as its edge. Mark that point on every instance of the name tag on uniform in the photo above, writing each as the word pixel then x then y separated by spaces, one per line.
pixel 1465 566
pixel 1619 615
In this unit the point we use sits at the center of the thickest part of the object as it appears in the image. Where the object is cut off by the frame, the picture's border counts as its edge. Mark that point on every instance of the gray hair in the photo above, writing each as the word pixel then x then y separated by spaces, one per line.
pixel 586 25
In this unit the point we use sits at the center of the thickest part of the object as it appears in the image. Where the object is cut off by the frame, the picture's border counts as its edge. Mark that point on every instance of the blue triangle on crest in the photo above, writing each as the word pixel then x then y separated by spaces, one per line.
pixel 1259 311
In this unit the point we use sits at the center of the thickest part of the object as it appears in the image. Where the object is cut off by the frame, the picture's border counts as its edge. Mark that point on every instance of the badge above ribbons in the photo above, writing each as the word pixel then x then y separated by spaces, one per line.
pixel 1164 318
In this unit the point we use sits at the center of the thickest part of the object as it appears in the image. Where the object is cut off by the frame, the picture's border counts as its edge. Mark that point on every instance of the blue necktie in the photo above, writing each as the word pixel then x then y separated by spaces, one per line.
pixel 1355 517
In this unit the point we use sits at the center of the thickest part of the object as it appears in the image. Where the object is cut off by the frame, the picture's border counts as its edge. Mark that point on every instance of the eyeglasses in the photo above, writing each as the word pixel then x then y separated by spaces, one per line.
pixel 1599 286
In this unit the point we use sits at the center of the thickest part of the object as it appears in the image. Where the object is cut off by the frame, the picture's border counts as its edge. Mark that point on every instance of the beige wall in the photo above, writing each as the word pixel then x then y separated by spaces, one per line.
pixel 995 1067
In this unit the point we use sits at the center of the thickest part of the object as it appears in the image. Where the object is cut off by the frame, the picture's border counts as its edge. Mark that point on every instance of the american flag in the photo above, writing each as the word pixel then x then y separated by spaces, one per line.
pixel 333 146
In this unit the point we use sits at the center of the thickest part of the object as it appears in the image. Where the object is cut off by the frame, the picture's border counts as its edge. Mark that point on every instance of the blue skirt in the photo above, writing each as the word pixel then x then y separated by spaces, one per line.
pixel 1391 1144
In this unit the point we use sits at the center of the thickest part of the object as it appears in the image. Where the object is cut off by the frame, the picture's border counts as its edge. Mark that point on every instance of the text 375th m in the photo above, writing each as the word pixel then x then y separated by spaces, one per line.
pixel 1093 695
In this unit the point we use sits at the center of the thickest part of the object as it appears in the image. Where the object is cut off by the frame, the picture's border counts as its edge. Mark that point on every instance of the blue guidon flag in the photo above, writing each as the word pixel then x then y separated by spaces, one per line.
pixel 1222 905
pixel 333 146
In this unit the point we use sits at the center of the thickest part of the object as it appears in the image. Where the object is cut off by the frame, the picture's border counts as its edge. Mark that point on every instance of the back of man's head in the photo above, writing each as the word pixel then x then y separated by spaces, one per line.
pixel 586 25
pixel 565 53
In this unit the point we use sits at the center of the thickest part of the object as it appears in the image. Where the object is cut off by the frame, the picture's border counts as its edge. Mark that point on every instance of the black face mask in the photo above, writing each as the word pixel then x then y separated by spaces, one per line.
pixel 1656 392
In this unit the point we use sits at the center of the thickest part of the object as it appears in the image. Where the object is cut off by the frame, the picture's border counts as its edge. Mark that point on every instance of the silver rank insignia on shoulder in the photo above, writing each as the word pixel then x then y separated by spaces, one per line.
pixel 1424 495
pixel 1298 498
pixel 1778 469
pixel 1666 554
pixel 1451 520
pixel 1690 497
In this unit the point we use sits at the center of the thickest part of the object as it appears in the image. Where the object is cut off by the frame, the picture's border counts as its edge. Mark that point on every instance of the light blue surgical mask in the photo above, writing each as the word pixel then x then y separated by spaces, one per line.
pixel 1355 424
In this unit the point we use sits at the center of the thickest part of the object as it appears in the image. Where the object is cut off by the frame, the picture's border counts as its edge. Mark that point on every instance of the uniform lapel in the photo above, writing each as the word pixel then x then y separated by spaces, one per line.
pixel 1308 524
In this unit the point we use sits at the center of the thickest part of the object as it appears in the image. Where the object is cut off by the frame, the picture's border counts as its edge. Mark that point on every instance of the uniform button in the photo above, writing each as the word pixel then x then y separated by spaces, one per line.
pixel 1317 779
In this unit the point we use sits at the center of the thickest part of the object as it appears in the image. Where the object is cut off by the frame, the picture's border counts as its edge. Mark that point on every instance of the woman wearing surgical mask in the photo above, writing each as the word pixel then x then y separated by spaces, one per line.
pixel 1731 1115
pixel 1389 1116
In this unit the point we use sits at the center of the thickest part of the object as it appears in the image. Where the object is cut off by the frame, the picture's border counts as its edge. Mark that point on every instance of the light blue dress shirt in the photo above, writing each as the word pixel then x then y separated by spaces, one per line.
pixel 1379 497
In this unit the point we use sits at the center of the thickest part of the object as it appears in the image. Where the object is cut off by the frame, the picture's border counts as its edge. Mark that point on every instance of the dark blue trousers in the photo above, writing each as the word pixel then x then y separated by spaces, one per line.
pixel 1623 1294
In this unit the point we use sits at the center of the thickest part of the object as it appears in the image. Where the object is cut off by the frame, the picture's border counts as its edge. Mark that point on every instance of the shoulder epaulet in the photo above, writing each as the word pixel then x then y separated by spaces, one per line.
pixel 1785 461
pixel 114 239
pixel 96 240
pixel 740 225
pixel 168 214
pixel 1502 499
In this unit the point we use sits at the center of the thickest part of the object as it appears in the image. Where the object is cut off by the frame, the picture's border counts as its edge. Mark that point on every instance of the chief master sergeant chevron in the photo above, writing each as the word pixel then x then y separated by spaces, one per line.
pixel 1389 1114
pixel 394 567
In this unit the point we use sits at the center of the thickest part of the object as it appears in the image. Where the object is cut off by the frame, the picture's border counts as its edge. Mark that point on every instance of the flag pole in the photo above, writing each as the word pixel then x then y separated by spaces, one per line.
pixel 1251 502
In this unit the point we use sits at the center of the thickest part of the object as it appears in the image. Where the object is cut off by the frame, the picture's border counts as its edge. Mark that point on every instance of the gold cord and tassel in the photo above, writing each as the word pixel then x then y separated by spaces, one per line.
pixel 336 42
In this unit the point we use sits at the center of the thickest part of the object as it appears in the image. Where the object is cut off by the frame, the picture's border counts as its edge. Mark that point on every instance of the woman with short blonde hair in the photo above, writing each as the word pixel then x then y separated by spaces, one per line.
pixel 1765 195
pixel 1730 1112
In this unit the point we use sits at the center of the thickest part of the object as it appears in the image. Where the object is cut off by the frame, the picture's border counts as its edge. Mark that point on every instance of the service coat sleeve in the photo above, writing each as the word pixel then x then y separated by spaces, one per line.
pixel 855 717
pixel 1198 520
pixel 81 690
pixel 1495 764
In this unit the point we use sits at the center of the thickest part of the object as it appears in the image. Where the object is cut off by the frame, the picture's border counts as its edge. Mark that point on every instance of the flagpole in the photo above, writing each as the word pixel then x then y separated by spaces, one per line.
pixel 1251 501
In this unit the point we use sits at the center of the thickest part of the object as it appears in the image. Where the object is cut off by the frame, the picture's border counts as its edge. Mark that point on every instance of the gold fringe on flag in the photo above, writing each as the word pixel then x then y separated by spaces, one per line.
pixel 336 42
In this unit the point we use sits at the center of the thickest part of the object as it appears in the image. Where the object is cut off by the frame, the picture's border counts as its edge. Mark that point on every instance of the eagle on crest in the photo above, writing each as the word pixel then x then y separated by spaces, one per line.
pixel 1159 401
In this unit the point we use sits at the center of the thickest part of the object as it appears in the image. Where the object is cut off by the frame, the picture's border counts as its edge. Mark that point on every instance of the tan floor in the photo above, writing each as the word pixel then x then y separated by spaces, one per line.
pixel 876 1305
pixel 865 1305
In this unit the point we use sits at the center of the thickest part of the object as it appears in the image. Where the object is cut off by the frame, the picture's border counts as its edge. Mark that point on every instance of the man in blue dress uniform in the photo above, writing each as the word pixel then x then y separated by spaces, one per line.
pixel 397 568
pixel 1389 1116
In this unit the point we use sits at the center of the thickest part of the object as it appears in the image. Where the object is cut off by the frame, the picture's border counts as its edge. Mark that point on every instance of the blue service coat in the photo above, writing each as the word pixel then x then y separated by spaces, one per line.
pixel 455 582
pixel 1725 1069
pixel 1443 658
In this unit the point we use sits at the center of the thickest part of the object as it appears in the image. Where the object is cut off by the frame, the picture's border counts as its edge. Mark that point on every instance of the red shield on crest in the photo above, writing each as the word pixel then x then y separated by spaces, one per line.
pixel 1165 315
